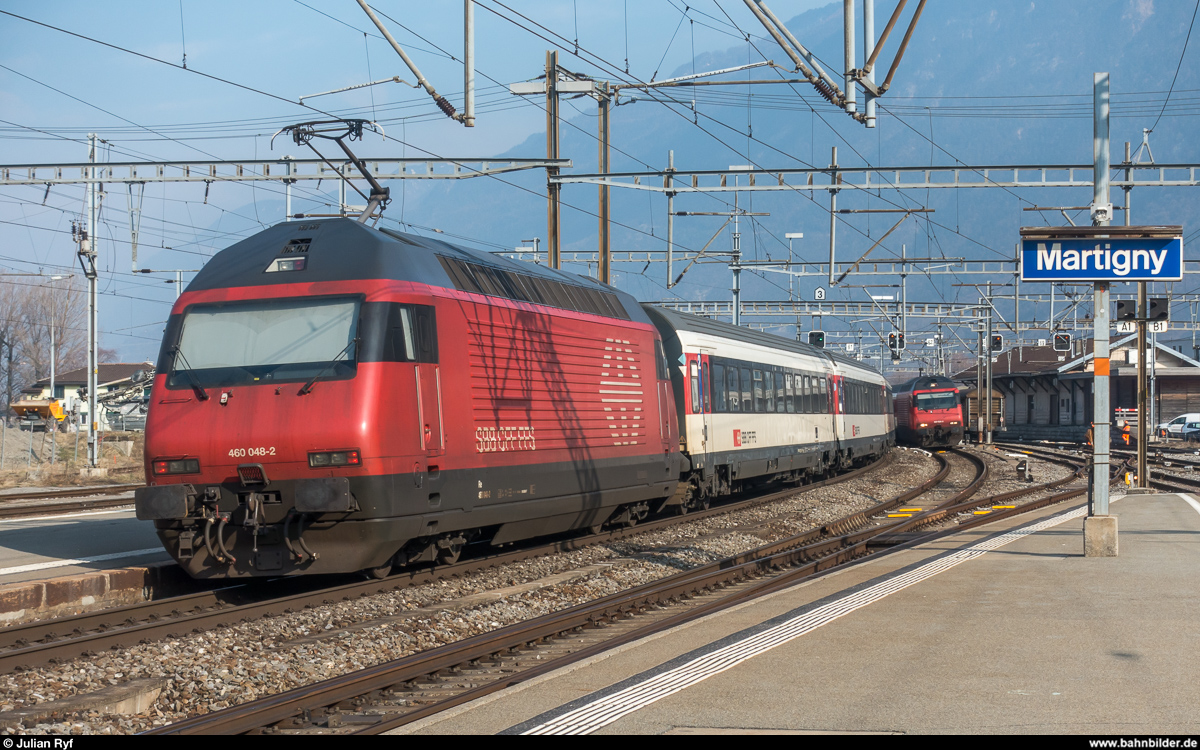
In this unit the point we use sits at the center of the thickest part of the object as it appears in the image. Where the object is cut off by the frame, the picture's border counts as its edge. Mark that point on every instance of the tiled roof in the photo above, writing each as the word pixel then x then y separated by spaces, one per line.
pixel 109 373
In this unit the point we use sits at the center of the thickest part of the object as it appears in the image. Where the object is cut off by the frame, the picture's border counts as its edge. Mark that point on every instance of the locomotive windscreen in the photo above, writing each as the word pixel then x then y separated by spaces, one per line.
pixel 266 340
pixel 932 401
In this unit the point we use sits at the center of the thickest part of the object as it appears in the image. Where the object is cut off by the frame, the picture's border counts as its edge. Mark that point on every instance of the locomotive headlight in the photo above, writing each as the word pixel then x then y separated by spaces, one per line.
pixel 335 458
pixel 924 424
pixel 180 466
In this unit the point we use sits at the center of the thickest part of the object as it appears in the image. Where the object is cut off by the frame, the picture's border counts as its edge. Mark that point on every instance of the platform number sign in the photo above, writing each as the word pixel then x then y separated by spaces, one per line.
pixel 819 294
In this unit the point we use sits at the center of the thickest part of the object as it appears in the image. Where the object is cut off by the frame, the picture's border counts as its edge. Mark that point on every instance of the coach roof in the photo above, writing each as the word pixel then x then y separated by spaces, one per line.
pixel 696 324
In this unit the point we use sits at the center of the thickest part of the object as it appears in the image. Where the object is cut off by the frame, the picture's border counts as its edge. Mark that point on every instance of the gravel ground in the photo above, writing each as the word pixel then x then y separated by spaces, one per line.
pixel 232 665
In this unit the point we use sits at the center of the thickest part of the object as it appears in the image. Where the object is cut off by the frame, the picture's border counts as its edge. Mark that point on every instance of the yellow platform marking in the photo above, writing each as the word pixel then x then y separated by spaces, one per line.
pixel 899 515
pixel 910 510
pixel 998 507
pixel 982 512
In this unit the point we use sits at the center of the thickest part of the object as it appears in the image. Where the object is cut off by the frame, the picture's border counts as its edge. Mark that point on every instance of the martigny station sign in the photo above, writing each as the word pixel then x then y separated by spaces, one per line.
pixel 1080 254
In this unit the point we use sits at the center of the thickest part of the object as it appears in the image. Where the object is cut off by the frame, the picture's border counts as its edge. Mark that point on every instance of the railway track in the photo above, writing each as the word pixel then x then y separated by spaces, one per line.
pixel 396 693
pixel 52 641
pixel 54 508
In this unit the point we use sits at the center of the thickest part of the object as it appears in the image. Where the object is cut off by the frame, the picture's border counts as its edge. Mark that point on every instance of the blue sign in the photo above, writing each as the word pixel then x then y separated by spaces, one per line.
pixel 1111 259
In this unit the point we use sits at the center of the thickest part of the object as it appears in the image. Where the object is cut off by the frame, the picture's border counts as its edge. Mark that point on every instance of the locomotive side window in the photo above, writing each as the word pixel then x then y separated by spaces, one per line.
pixel 660 361
pixel 395 332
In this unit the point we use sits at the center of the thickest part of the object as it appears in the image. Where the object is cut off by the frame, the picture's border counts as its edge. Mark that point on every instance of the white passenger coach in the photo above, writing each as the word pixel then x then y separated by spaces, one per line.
pixel 757 407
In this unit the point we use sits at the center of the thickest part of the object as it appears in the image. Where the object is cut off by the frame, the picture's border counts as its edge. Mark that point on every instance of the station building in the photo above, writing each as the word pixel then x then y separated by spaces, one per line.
pixel 1048 395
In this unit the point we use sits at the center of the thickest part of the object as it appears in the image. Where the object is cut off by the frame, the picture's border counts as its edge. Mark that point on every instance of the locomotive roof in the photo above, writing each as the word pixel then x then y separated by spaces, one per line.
pixel 925 383
pixel 684 322
pixel 345 250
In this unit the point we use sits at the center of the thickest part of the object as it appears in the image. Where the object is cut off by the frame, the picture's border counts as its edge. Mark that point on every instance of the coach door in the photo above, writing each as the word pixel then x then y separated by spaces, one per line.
pixel 701 386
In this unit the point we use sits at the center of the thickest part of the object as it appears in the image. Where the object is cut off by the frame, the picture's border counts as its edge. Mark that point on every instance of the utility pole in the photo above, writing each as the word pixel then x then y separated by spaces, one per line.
pixel 87 259
pixel 903 292
pixel 980 377
pixel 605 100
pixel 1100 528
pixel 988 363
pixel 553 189
pixel 1142 415
pixel 735 265
pixel 669 182
pixel 833 191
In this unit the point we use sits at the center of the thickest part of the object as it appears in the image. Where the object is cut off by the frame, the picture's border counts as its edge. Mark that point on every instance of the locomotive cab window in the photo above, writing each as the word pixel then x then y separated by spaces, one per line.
pixel 266 341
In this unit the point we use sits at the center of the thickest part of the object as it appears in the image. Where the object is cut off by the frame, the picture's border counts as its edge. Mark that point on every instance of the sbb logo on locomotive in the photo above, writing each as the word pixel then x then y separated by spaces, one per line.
pixel 499 439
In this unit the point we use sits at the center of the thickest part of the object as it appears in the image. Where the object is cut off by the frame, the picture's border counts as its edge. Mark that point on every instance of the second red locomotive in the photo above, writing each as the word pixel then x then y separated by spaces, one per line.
pixel 928 413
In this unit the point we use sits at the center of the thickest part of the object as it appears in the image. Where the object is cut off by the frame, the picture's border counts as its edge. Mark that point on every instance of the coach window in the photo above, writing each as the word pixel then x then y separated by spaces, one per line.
pixel 810 395
pixel 747 403
pixel 757 405
pixel 823 400
pixel 705 389
pixel 731 385
pixel 718 388
pixel 779 392
pixel 789 393
pixel 694 385
pixel 769 390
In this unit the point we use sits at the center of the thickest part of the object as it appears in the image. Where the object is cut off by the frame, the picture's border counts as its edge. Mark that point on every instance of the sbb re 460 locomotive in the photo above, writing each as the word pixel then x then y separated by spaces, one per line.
pixel 928 413
pixel 331 397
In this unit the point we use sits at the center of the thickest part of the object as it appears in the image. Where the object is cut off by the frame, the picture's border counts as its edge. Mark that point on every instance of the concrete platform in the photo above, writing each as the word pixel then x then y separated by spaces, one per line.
pixel 1005 631
pixel 41 547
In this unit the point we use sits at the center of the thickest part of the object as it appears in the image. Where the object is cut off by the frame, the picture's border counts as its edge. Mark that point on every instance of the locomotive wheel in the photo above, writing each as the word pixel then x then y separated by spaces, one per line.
pixel 383 571
pixel 449 555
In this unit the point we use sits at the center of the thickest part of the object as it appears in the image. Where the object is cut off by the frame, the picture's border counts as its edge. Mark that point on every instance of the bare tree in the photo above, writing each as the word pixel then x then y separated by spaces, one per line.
pixel 29 311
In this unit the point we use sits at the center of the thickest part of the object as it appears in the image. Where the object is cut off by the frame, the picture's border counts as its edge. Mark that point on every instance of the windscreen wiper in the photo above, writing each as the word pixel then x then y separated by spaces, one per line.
pixel 196 389
pixel 309 385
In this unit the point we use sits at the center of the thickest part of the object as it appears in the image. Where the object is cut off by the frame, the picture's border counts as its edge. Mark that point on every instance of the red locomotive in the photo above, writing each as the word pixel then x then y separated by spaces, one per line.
pixel 333 398
pixel 928 413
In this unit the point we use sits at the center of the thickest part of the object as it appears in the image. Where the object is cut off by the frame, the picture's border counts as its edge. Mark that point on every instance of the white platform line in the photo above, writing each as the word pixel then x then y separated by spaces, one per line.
pixel 1191 501
pixel 79 561
pixel 608 708
pixel 125 509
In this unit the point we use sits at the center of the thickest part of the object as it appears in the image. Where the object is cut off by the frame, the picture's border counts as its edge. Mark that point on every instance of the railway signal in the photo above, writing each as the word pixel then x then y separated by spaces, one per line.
pixel 817 339
pixel 1062 342
pixel 1158 309
pixel 896 341
pixel 997 344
